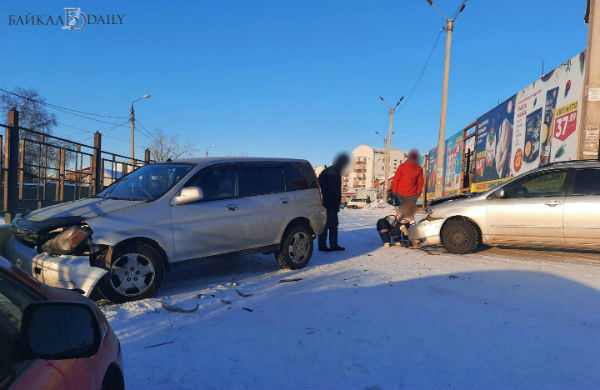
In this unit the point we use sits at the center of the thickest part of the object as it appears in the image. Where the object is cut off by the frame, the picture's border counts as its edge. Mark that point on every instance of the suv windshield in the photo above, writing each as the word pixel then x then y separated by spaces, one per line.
pixel 146 183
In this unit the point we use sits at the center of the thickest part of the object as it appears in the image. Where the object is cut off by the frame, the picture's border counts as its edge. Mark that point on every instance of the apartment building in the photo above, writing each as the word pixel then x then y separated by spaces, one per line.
pixel 368 166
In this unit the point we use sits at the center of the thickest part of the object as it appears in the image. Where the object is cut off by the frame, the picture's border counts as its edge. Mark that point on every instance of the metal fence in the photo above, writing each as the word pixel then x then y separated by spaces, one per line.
pixel 39 169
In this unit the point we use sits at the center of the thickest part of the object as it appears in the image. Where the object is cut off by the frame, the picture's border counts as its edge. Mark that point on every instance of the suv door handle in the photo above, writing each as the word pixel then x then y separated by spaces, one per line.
pixel 552 203
pixel 285 201
pixel 233 207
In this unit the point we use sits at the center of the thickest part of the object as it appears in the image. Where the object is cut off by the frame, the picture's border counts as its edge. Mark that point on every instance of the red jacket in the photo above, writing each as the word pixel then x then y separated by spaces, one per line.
pixel 408 179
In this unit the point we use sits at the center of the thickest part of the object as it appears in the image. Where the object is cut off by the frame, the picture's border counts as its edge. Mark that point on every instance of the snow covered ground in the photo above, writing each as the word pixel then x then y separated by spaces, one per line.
pixel 370 318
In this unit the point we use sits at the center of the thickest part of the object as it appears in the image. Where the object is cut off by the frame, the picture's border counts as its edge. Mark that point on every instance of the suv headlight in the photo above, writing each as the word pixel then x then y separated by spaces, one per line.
pixel 66 241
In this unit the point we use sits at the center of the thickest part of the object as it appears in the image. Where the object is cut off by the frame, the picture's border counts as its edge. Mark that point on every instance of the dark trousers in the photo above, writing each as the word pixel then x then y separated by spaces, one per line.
pixel 387 231
pixel 400 199
pixel 331 228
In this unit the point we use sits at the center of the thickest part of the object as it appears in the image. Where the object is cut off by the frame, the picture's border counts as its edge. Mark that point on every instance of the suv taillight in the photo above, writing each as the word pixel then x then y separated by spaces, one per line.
pixel 318 184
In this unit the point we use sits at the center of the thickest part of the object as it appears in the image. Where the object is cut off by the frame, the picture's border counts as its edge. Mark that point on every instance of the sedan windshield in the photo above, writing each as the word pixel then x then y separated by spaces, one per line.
pixel 146 183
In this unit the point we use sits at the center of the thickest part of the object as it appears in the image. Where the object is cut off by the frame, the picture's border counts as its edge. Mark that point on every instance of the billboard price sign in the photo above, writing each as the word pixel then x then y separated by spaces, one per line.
pixel 537 126
pixel 453 164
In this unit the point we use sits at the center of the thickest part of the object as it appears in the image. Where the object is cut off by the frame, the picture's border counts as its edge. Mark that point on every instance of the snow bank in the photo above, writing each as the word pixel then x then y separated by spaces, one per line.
pixel 370 317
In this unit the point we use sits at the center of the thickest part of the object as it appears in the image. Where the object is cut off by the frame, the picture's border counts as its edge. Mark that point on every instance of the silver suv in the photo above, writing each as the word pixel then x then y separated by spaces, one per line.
pixel 125 238
pixel 557 205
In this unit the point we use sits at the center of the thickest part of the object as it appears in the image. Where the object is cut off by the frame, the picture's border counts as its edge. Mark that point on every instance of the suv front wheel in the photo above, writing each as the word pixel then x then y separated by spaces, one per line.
pixel 136 272
pixel 296 248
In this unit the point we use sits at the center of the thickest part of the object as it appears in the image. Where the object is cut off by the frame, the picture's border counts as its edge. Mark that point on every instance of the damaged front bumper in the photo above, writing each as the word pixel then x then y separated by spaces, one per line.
pixel 66 271
pixel 426 231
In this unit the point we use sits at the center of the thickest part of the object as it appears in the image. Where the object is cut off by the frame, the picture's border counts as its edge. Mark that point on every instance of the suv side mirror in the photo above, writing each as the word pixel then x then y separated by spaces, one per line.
pixel 56 330
pixel 499 193
pixel 188 195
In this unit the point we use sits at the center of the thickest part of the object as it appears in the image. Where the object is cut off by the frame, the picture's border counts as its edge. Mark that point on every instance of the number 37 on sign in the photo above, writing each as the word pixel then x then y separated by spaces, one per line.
pixel 565 122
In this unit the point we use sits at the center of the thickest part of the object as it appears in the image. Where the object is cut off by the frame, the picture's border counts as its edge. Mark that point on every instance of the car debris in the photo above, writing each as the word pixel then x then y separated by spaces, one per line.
pixel 290 280
pixel 158 345
pixel 241 294
pixel 177 309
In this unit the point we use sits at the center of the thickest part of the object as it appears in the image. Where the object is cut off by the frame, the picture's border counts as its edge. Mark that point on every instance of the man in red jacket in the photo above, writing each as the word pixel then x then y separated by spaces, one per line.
pixel 408 180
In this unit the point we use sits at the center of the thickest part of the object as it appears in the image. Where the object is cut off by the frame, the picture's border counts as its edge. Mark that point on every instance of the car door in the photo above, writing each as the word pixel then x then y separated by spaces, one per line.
pixel 268 205
pixel 582 209
pixel 215 224
pixel 531 211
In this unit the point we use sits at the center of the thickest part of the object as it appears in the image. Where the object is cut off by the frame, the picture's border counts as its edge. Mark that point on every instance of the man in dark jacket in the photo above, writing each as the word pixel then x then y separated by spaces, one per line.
pixel 330 181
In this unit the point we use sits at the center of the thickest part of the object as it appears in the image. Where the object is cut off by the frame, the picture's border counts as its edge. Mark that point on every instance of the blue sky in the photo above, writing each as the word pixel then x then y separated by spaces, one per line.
pixel 297 78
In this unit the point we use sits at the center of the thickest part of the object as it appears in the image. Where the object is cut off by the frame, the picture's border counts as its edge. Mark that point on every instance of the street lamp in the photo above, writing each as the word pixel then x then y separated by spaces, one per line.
pixel 146 96
pixel 389 143
pixel 439 163
pixel 384 153
pixel 211 146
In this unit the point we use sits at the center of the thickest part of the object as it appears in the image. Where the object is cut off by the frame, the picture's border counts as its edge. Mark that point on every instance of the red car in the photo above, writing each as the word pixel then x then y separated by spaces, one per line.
pixel 53 339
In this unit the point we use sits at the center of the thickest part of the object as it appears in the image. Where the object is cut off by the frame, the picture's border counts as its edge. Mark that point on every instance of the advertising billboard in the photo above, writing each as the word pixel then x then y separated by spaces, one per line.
pixel 493 145
pixel 537 126
pixel 431 173
pixel 452 164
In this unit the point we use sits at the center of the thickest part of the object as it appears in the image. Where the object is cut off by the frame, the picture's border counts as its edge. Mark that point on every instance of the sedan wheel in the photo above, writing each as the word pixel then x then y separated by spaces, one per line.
pixel 460 236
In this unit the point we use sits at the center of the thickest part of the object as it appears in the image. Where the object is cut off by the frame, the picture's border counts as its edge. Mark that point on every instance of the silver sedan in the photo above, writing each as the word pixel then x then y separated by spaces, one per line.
pixel 557 205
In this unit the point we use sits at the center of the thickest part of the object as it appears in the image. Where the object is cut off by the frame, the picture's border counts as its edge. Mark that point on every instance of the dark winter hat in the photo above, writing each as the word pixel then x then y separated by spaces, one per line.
pixel 341 161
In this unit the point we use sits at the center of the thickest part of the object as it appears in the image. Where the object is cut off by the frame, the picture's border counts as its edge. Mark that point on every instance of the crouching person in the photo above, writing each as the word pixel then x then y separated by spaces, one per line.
pixel 389 229
pixel 395 227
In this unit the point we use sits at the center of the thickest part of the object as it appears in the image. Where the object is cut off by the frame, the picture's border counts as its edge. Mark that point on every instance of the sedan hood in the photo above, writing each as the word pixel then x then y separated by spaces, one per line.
pixel 444 199
pixel 83 208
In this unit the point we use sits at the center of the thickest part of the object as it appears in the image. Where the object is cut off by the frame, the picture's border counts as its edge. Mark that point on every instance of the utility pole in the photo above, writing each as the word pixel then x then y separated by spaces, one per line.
pixel 132 119
pixel 439 162
pixel 387 154
pixel 388 150
pixel 590 128
pixel 211 146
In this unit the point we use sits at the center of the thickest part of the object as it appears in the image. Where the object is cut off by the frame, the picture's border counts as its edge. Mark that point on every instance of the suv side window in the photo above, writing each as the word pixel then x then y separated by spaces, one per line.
pixel 299 176
pixel 541 184
pixel 587 182
pixel 260 180
pixel 216 183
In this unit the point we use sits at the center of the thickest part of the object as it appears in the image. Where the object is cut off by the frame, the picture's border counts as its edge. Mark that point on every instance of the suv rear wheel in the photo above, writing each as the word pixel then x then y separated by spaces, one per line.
pixel 460 236
pixel 296 248
pixel 136 272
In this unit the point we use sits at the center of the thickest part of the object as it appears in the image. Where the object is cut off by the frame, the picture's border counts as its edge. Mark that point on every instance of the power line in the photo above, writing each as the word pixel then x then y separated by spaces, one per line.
pixel 435 42
pixel 114 127
pixel 75 127
pixel 145 134
pixel 79 115
pixel 61 108
pixel 144 131
pixel 103 134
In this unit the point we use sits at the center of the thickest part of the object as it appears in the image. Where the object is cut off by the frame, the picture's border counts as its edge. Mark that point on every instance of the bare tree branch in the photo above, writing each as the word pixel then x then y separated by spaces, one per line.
pixel 33 115
pixel 165 146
